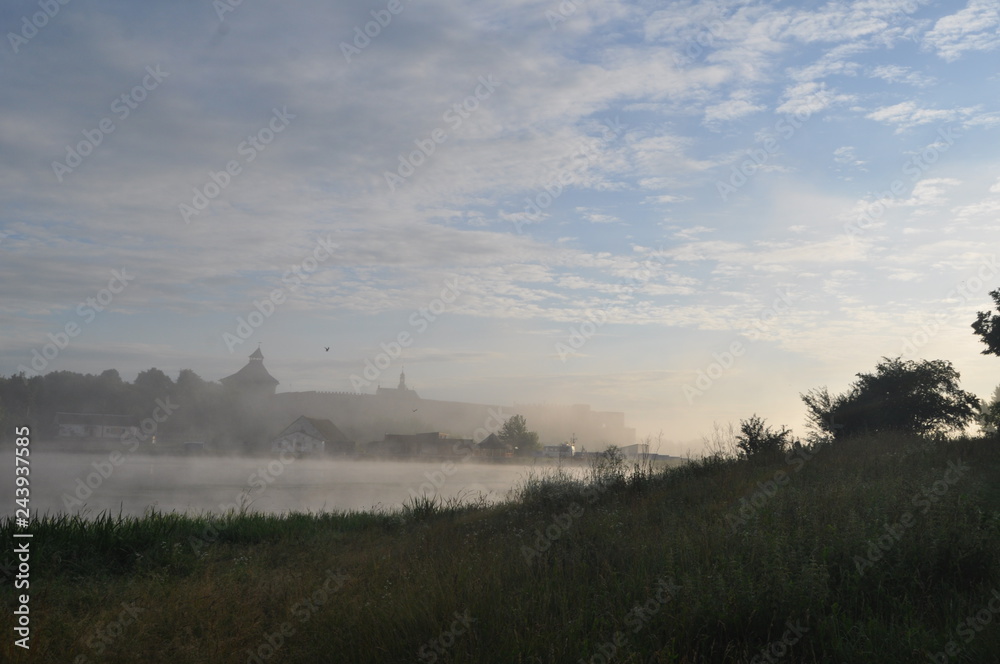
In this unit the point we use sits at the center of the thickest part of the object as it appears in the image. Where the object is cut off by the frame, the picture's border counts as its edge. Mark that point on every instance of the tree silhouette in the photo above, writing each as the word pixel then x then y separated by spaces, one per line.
pixel 987 326
pixel 515 432
pixel 910 396
pixel 759 441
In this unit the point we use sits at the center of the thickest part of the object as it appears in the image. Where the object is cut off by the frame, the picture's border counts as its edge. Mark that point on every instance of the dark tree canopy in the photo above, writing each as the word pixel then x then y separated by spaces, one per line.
pixel 153 382
pixel 987 327
pixel 758 440
pixel 515 432
pixel 919 397
pixel 201 411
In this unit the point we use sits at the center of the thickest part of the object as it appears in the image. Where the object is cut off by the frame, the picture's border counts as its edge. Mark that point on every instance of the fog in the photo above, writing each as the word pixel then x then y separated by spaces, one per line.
pixel 88 484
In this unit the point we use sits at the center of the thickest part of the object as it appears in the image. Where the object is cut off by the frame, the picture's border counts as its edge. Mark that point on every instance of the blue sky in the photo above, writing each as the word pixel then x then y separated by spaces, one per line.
pixel 687 212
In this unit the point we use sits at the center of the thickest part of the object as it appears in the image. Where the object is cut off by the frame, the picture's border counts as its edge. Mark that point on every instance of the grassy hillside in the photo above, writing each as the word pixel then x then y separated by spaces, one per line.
pixel 882 550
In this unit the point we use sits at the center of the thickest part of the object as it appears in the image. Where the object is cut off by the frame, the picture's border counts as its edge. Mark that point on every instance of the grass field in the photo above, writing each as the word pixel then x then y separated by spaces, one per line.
pixel 870 550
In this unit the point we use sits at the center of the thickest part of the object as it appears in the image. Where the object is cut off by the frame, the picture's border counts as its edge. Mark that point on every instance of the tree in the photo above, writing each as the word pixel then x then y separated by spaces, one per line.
pixel 153 383
pixel 987 326
pixel 757 441
pixel 515 432
pixel 989 414
pixel 901 395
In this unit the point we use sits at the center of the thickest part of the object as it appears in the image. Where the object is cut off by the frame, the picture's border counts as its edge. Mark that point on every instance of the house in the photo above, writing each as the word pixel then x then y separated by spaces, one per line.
pixel 96 425
pixel 494 448
pixel 308 435
pixel 421 445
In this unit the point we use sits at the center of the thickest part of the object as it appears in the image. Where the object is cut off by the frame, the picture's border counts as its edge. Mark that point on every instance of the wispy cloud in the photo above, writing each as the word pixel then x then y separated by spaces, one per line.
pixel 974 28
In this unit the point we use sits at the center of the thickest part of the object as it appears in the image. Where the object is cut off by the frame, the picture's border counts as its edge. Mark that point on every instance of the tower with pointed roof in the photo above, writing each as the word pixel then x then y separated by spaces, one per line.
pixel 398 394
pixel 253 379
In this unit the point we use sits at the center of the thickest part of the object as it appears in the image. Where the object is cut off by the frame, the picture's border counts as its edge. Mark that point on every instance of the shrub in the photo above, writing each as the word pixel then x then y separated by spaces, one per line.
pixel 757 440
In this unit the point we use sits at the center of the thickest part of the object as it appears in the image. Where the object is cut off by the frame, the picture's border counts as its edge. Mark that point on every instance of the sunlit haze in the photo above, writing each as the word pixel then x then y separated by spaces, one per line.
pixel 685 212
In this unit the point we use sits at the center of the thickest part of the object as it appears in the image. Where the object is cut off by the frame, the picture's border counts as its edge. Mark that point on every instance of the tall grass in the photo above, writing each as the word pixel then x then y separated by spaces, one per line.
pixel 557 570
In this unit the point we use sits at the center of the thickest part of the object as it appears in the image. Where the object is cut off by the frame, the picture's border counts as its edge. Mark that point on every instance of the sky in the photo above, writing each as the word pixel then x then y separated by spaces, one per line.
pixel 689 212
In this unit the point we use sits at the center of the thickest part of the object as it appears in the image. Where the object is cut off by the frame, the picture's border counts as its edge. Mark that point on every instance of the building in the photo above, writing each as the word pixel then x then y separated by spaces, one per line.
pixel 96 425
pixel 637 451
pixel 563 451
pixel 367 416
pixel 253 380
pixel 493 448
pixel 400 394
pixel 433 445
pixel 312 436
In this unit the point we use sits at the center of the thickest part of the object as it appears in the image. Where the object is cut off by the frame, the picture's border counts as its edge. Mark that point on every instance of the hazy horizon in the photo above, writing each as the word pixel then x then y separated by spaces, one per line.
pixel 689 213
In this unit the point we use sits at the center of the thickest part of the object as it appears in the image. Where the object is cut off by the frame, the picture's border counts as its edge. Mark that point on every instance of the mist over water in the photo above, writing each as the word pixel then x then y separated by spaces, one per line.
pixel 60 483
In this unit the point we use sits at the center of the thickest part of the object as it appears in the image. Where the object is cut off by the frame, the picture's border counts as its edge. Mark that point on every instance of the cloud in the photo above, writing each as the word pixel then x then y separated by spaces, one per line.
pixel 899 74
pixel 806 99
pixel 928 192
pixel 906 115
pixel 593 160
pixel 729 110
pixel 666 198
pixel 974 28
pixel 847 156
pixel 595 216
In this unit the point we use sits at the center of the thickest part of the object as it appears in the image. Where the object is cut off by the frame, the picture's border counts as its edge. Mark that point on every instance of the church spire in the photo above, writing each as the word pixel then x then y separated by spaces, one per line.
pixel 402 379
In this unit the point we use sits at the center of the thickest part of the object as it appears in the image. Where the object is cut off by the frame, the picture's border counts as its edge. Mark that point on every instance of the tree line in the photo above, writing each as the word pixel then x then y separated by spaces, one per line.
pixel 35 401
pixel 920 397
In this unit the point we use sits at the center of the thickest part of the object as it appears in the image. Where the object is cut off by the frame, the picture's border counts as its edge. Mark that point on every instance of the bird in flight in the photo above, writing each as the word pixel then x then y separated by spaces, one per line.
pixel 327 348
